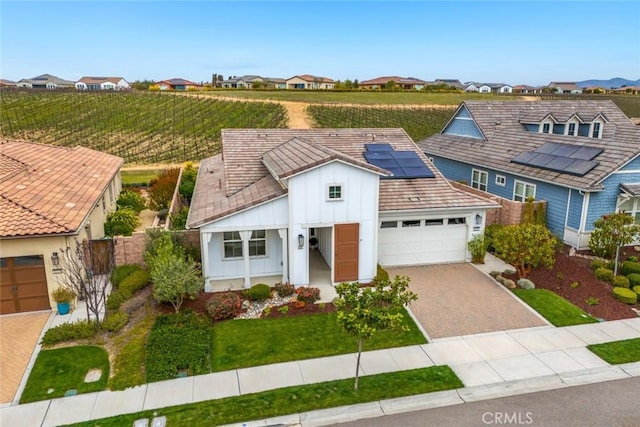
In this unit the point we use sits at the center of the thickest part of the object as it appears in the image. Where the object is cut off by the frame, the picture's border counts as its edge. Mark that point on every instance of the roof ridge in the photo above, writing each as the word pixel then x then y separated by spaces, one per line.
pixel 24 168
pixel 35 212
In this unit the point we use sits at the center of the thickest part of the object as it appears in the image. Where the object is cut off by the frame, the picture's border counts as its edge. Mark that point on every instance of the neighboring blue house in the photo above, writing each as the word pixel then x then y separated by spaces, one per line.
pixel 579 156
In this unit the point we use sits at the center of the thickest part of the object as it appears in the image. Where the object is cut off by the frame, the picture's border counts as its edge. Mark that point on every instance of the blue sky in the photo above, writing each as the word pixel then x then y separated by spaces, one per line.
pixel 512 42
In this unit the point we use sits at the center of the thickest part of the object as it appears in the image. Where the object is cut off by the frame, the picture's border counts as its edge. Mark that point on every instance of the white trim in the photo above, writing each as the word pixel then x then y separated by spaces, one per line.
pixel 240 211
pixel 504 180
pixel 338 161
pixel 585 211
pixel 566 214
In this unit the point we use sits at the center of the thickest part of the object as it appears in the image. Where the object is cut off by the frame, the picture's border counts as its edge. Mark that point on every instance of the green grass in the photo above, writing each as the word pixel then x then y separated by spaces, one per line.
pixel 617 352
pixel 297 399
pixel 63 369
pixel 243 343
pixel 141 127
pixel 553 307
pixel 139 177
pixel 418 122
pixel 360 97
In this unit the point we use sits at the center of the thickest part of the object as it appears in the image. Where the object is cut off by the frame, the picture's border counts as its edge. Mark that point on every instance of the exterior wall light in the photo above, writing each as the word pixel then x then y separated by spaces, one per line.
pixel 54 259
pixel 300 241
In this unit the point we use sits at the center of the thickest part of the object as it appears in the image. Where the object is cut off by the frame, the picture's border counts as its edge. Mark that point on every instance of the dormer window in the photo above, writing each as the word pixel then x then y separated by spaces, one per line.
pixel 571 129
pixel 595 130
pixel 546 128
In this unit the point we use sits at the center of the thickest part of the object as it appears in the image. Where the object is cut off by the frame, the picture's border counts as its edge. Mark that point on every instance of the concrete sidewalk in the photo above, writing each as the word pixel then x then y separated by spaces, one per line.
pixel 490 365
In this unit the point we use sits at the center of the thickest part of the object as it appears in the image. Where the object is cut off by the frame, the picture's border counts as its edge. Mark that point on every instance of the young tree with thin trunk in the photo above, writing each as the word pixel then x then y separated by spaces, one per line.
pixel 86 268
pixel 363 311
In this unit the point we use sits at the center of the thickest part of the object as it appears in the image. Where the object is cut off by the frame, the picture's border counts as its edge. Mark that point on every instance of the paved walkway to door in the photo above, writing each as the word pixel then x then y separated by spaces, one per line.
pixel 19 334
pixel 458 299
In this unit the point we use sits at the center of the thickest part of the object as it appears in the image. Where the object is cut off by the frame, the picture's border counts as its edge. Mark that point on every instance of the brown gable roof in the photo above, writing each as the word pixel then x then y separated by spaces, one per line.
pixel 238 179
pixel 310 78
pixel 46 189
pixel 297 155
pixel 505 137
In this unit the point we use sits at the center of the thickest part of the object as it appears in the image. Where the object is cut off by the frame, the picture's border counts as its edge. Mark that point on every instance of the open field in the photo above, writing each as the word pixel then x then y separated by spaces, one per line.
pixel 140 127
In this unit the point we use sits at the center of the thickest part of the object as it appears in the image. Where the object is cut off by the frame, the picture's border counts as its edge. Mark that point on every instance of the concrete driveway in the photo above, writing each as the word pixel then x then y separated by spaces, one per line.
pixel 19 334
pixel 458 299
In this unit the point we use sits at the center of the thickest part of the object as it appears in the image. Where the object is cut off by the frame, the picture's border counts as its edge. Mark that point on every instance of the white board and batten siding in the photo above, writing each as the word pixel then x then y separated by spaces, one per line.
pixel 425 239
pixel 310 207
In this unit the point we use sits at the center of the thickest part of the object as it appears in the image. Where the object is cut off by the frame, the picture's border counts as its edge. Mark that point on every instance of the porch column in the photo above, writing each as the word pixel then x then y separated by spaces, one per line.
pixel 205 239
pixel 245 236
pixel 282 232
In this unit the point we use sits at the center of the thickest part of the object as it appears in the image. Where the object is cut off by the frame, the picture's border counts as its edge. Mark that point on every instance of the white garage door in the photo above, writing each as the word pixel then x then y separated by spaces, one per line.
pixel 431 241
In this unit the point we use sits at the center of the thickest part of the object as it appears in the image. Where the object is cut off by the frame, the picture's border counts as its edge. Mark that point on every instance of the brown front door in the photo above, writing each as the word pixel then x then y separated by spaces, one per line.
pixel 347 242
pixel 23 284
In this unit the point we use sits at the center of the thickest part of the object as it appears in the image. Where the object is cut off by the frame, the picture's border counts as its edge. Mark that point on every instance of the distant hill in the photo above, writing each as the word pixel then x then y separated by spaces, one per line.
pixel 615 82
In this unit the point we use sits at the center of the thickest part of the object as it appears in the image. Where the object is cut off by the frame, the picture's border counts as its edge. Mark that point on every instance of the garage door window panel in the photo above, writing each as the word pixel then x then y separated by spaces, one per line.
pixel 411 223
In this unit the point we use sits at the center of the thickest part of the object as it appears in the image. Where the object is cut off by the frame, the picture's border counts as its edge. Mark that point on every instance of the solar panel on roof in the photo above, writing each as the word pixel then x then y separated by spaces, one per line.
pixel 565 150
pixel 547 147
pixel 565 158
pixel 559 163
pixel 378 147
pixel 541 159
pixel 401 164
pixel 587 153
pixel 580 167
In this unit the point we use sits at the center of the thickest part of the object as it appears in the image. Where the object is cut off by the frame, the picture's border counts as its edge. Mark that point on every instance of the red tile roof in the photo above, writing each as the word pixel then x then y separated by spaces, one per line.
pixel 46 189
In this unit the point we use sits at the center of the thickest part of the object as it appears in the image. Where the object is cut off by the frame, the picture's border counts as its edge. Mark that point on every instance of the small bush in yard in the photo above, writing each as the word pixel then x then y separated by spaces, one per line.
pixel 308 294
pixel 625 295
pixel 636 289
pixel 132 200
pixel 630 267
pixel 134 282
pixel 382 275
pixel 599 263
pixel 526 284
pixel 224 305
pixel 116 321
pixel 620 282
pixel 284 289
pixel 122 271
pixel 259 292
pixel 69 332
pixel 634 279
pixel 632 258
pixel 604 274
pixel 122 222
pixel 115 299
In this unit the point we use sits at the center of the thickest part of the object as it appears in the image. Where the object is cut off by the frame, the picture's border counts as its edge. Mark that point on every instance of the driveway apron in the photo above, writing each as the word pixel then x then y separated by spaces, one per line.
pixel 19 334
pixel 458 299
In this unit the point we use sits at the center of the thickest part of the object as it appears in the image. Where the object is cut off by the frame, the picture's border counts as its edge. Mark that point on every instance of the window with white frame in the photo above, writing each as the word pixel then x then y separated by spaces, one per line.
pixel 522 191
pixel 501 180
pixel 595 133
pixel 233 244
pixel 258 243
pixel 479 179
pixel 631 207
pixel 546 128
pixel 334 192
pixel 571 129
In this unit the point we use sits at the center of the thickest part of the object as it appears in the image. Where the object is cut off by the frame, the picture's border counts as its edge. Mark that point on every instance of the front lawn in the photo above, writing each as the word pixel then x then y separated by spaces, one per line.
pixel 60 370
pixel 554 308
pixel 243 343
pixel 617 352
pixel 291 400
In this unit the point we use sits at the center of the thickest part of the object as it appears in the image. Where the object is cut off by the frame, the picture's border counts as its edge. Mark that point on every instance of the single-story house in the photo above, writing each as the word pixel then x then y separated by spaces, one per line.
pixel 628 90
pixel 178 84
pixel 307 81
pixel 406 83
pixel 45 81
pixel 488 88
pixel 275 82
pixel 565 88
pixel 242 82
pixel 102 83
pixel 49 196
pixel 581 157
pixel 526 89
pixel 325 206
pixel 7 83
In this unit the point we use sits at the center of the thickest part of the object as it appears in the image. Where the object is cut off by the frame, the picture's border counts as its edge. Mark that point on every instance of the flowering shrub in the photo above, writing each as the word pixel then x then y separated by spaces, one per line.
pixel 284 289
pixel 308 294
pixel 224 305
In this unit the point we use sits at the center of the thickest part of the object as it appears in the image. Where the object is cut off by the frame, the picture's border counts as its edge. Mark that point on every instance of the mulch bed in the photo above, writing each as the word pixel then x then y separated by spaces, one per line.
pixel 298 310
pixel 570 269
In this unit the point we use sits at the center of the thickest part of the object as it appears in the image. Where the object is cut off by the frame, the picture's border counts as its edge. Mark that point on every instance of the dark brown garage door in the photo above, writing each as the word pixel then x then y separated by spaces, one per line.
pixel 23 284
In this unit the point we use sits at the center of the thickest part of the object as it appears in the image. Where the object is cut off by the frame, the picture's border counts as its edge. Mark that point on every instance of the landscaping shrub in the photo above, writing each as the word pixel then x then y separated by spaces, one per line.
pixel 526 284
pixel 69 331
pixel 636 289
pixel 161 189
pixel 116 321
pixel 620 282
pixel 188 181
pixel 176 342
pixel 634 279
pixel 131 200
pixel 632 258
pixel 179 220
pixel 382 275
pixel 308 294
pixel 122 271
pixel 630 267
pixel 134 282
pixel 625 295
pixel 259 292
pixel 604 274
pixel 478 248
pixel 600 263
pixel 284 289
pixel 116 299
pixel 121 222
pixel 490 232
pixel 224 305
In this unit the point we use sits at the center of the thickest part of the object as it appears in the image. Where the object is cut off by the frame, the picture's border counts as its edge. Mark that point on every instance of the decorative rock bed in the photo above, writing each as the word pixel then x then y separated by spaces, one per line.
pixel 256 308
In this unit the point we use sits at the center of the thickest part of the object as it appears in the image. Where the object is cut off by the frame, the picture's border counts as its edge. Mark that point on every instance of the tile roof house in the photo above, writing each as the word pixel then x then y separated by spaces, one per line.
pixel 45 81
pixel 525 89
pixel 307 81
pixel 7 83
pixel 242 82
pixel 102 83
pixel 582 157
pixel 565 88
pixel 49 196
pixel 407 83
pixel 298 203
pixel 488 87
pixel 178 84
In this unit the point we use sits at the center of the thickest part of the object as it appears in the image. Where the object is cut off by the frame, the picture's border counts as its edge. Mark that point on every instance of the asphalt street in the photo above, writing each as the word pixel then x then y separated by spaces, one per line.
pixel 606 404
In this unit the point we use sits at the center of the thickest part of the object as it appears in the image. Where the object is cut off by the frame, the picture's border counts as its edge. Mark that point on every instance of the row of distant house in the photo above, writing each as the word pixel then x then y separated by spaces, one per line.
pixel 308 81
